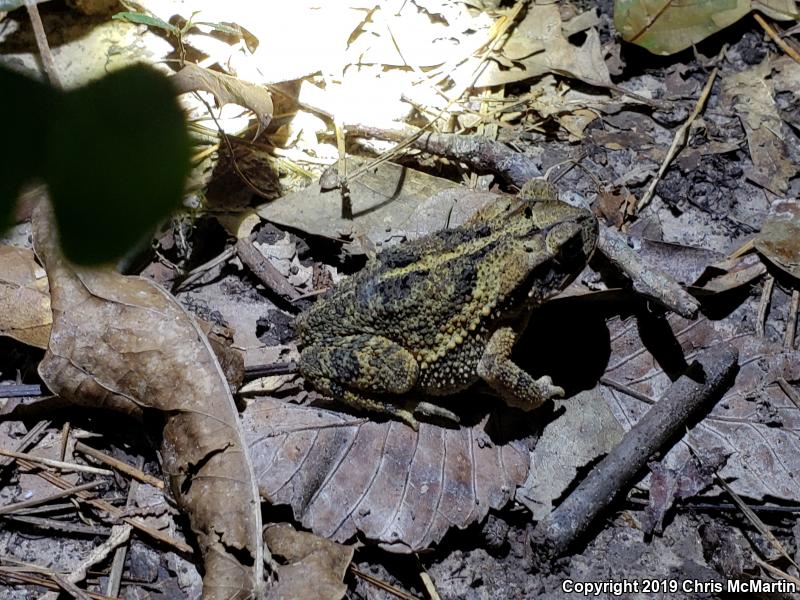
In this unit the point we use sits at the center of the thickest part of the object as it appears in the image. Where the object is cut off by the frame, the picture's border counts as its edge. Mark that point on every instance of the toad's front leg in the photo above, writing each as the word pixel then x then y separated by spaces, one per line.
pixel 516 386
pixel 361 369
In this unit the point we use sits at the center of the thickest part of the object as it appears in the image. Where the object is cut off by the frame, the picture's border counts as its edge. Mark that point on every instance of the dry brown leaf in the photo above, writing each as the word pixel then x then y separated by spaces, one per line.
pixel 755 422
pixel 226 90
pixel 403 489
pixel 312 567
pixel 24 299
pixel 537 45
pixel 383 200
pixel 729 274
pixel 124 342
pixel 749 94
pixel 779 238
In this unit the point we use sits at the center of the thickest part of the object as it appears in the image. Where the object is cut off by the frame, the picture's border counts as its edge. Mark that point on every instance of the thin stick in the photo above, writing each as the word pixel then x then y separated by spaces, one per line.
pixel 119 465
pixel 781 43
pixel 703 381
pixel 28 440
pixel 56 464
pixel 763 305
pixel 791 320
pixel 111 510
pixel 18 506
pixel 379 583
pixel 40 36
pixel 678 141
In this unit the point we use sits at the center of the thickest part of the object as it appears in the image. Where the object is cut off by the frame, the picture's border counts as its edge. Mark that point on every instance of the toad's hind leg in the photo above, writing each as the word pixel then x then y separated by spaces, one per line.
pixel 516 386
pixel 356 368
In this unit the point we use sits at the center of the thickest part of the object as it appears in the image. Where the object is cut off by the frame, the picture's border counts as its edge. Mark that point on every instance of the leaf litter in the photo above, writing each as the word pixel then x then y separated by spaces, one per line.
pixel 561 94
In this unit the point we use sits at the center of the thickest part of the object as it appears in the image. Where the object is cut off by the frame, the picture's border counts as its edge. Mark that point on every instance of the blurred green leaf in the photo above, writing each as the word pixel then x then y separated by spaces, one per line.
pixel 665 26
pixel 116 161
pixel 144 19
pixel 25 105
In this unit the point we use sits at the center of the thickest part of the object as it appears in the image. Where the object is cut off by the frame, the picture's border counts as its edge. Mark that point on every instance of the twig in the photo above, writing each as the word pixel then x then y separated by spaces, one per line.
pixel 119 465
pixel 763 305
pixel 650 282
pixel 18 506
pixel 685 397
pixel 755 520
pixel 678 141
pixel 118 564
pixel 28 440
pixel 57 525
pixel 66 585
pixel 56 464
pixel 111 510
pixel 789 391
pixel 402 594
pixel 791 320
pixel 20 390
pixel 120 534
pixel 7 573
pixel 199 271
pixel 264 269
pixel 781 43
pixel 40 36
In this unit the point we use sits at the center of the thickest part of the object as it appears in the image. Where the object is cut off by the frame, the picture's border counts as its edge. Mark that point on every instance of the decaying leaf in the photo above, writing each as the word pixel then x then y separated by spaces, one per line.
pixel 382 202
pixel 226 90
pixel 755 422
pixel 668 485
pixel 537 45
pixel 750 95
pixel 729 274
pixel 779 238
pixel 314 567
pixel 24 299
pixel 404 489
pixel 665 27
pixel 124 342
pixel 586 431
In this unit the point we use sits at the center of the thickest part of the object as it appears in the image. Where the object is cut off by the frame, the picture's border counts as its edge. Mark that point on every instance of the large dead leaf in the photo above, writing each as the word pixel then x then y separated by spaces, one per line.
pixel 666 26
pixel 537 45
pixel 24 300
pixel 314 567
pixel 383 202
pixel 755 422
pixel 124 342
pixel 750 95
pixel 404 489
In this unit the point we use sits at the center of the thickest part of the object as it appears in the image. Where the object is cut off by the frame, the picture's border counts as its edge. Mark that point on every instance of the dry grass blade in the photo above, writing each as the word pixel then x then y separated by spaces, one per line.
pixel 755 521
pixel 17 506
pixel 56 464
pixel 379 583
pixel 779 41
pixel 678 141
pixel 119 465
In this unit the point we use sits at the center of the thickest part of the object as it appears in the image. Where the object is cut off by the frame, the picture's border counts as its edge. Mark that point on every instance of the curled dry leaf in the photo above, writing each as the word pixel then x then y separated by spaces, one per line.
pixel 24 300
pixel 227 90
pixel 124 342
pixel 754 422
pixel 314 567
pixel 749 94
pixel 537 45
pixel 404 489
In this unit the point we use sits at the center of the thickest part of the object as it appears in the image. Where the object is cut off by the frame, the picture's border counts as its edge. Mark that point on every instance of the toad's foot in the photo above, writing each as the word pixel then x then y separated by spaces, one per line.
pixel 516 386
